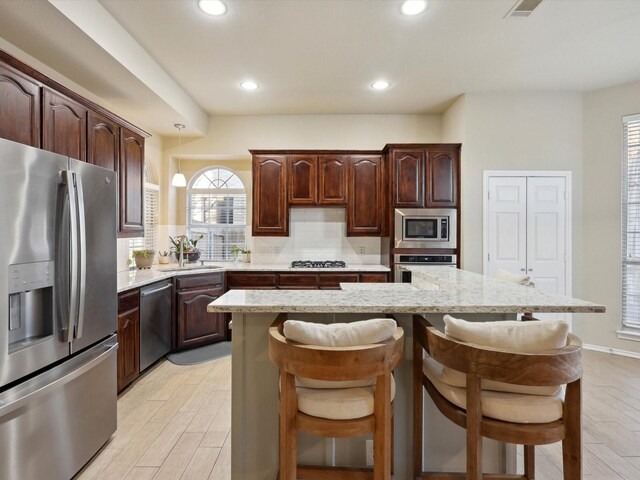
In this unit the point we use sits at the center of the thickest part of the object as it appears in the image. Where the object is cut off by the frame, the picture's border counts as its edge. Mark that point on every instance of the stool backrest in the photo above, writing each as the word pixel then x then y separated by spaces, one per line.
pixel 334 363
pixel 555 367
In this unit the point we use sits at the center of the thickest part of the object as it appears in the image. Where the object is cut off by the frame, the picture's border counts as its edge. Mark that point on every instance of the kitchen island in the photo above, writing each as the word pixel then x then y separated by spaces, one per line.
pixel 438 290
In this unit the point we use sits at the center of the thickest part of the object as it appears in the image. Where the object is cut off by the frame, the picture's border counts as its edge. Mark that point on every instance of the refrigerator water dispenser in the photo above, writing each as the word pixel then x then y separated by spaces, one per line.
pixel 31 318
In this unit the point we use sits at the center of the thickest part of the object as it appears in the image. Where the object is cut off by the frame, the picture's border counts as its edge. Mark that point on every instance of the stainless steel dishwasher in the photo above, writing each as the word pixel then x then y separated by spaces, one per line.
pixel 155 322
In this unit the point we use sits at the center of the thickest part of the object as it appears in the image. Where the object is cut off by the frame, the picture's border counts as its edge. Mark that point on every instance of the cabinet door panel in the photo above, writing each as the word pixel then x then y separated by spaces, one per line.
pixel 19 108
pixel 128 348
pixel 251 280
pixel 195 325
pixel 103 142
pixel 333 280
pixel 374 277
pixel 442 178
pixel 131 184
pixel 297 280
pixel 270 210
pixel 302 179
pixel 64 126
pixel 365 210
pixel 408 178
pixel 332 180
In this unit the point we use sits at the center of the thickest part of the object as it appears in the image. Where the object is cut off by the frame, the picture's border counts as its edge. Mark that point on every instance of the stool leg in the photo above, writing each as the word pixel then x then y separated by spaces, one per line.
pixel 530 462
pixel 418 391
pixel 382 432
pixel 572 443
pixel 474 437
pixel 288 433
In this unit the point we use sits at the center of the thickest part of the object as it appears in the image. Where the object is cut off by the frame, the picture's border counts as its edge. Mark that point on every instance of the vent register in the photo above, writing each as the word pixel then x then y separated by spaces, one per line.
pixel 523 8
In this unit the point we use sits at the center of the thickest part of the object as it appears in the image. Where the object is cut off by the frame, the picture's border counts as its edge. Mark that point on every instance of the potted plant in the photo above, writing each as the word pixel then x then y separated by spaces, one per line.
pixel 164 257
pixel 143 258
pixel 191 252
pixel 246 253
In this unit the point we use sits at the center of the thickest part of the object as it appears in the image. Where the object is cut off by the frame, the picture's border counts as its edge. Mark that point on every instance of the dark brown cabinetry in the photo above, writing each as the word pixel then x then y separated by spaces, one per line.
pixel 19 108
pixel 195 326
pixel 270 209
pixel 299 280
pixel 332 180
pixel 64 125
pixel 128 337
pixel 442 177
pixel 407 173
pixel 303 184
pixel 365 206
pixel 131 175
pixel 103 142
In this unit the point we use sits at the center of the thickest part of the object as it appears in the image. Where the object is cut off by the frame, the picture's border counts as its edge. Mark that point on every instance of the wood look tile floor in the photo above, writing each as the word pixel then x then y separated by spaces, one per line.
pixel 174 423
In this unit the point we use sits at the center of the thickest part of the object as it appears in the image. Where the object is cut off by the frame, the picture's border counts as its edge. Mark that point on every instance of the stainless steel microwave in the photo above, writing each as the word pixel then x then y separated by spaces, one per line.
pixel 426 228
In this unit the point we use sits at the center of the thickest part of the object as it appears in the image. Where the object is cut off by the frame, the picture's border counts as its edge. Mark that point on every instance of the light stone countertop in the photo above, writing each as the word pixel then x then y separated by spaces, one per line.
pixel 440 290
pixel 138 278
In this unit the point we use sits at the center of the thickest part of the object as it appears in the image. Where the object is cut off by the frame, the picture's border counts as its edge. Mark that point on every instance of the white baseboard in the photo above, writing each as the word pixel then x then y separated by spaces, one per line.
pixel 613 351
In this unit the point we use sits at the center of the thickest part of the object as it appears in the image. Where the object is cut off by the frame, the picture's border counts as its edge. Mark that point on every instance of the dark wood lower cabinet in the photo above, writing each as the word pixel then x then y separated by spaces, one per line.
pixel 196 326
pixel 128 337
pixel 300 280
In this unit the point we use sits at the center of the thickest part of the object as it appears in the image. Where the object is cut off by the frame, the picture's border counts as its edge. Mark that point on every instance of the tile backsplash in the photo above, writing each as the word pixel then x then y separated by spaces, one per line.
pixel 316 234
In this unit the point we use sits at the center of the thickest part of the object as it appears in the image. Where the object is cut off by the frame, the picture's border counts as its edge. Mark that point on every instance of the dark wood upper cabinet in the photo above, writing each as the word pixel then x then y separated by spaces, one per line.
pixel 332 180
pixel 303 180
pixel 443 167
pixel 19 108
pixel 407 171
pixel 270 209
pixel 365 208
pixel 64 126
pixel 103 142
pixel 131 174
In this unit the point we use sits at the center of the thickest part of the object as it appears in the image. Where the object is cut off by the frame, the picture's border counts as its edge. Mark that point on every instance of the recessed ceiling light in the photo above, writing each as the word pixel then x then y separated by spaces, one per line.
pixel 380 85
pixel 413 7
pixel 212 7
pixel 249 85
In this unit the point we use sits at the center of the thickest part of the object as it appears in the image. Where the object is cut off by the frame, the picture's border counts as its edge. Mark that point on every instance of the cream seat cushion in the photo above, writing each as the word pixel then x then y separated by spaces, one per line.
pixel 509 407
pixel 512 277
pixel 522 337
pixel 338 403
pixel 340 334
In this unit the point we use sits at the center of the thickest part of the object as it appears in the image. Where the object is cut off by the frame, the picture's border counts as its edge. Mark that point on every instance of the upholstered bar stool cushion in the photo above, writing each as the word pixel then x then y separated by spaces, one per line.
pixel 338 403
pixel 521 337
pixel 512 277
pixel 338 400
pixel 508 407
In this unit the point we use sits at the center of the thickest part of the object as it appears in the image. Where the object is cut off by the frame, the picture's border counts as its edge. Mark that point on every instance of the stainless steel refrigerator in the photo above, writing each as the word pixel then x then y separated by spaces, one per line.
pixel 57 312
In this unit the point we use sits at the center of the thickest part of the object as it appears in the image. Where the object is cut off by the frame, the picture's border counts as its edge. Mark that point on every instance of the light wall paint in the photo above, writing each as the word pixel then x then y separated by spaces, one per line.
pixel 603 112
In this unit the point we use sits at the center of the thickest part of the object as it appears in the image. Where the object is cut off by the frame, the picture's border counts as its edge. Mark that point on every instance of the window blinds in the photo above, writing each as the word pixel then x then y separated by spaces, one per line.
pixel 631 223
pixel 151 209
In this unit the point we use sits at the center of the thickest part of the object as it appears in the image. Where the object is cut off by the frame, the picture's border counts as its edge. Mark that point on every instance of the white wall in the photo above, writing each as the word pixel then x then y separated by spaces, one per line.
pixel 529 131
pixel 603 112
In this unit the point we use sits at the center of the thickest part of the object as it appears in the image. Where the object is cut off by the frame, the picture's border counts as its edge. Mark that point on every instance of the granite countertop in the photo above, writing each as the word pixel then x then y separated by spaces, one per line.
pixel 138 278
pixel 439 290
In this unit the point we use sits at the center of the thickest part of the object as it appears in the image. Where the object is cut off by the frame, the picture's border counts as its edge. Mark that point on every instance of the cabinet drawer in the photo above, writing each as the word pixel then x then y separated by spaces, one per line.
pixel 249 280
pixel 373 277
pixel 333 280
pixel 128 300
pixel 208 279
pixel 301 280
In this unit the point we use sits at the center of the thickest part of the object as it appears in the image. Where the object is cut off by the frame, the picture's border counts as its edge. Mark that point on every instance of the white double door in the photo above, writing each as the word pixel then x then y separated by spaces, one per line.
pixel 527 229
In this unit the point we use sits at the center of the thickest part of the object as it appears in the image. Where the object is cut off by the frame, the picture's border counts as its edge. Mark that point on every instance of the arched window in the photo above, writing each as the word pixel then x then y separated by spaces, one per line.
pixel 217 209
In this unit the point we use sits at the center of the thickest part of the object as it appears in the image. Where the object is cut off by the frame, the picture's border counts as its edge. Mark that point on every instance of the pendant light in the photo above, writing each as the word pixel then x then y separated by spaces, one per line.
pixel 178 179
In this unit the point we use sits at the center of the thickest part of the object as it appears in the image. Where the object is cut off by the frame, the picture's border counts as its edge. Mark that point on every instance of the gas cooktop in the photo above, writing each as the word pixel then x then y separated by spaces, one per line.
pixel 318 264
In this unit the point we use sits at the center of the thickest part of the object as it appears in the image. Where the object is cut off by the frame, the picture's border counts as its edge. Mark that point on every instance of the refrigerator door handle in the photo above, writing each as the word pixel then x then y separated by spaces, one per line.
pixel 63 375
pixel 82 252
pixel 68 178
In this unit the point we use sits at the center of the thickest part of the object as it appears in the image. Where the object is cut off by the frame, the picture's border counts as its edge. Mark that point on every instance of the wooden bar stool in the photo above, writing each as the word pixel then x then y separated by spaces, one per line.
pixel 342 391
pixel 500 394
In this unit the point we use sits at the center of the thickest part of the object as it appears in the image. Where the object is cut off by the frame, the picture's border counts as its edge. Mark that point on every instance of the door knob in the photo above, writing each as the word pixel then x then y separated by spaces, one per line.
pixel 531 269
pixel 523 269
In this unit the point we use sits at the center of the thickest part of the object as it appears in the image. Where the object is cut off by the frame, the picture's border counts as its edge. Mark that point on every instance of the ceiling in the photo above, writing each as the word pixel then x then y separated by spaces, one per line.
pixel 320 56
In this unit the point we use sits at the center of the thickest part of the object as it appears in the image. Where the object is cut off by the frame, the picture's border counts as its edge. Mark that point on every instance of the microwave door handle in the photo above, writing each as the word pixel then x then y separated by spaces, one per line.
pixel 72 313
pixel 82 252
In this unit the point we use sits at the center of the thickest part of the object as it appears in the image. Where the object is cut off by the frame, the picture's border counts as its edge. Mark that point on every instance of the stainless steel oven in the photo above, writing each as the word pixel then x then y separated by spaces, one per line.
pixel 403 275
pixel 426 228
